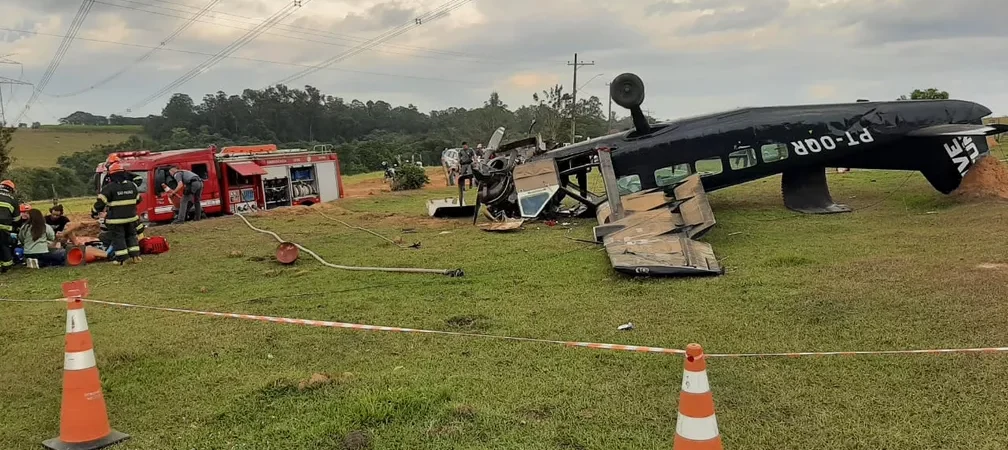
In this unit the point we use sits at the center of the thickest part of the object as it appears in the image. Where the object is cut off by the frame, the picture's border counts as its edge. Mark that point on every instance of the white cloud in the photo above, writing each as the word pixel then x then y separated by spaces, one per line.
pixel 694 55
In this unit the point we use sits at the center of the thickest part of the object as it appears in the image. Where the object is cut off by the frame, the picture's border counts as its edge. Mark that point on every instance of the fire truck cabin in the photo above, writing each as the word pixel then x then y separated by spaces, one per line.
pixel 235 179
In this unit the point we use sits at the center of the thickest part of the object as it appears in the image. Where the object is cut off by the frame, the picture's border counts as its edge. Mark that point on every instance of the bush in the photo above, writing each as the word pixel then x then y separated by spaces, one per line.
pixel 408 177
pixel 37 183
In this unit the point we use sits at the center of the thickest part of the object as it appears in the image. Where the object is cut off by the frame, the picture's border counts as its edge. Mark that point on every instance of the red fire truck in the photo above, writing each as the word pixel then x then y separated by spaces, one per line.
pixel 235 179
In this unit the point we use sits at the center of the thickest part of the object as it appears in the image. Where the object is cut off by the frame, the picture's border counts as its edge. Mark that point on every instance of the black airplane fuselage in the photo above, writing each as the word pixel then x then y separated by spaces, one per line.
pixel 738 146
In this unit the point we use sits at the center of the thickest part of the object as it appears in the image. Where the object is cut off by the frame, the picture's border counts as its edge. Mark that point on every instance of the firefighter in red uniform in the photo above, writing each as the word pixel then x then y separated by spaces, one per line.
pixel 9 210
pixel 119 199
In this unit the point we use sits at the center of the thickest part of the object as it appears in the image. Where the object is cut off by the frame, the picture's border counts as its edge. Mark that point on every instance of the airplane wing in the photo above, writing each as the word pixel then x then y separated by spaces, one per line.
pixel 656 234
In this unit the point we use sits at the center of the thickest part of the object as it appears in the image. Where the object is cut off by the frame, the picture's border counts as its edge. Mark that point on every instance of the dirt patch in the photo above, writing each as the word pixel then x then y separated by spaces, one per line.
pixel 465 412
pixel 357 440
pixel 468 323
pixel 992 266
pixel 316 380
pixel 366 188
pixel 85 228
pixel 378 186
pixel 987 179
pixel 536 413
pixel 368 220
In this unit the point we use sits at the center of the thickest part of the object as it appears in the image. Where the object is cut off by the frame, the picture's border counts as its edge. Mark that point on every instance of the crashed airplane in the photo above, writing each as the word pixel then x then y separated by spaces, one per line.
pixel 656 176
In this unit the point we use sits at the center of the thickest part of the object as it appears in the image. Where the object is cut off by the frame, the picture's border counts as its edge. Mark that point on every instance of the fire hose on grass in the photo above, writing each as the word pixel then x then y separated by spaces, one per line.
pixel 416 245
pixel 449 272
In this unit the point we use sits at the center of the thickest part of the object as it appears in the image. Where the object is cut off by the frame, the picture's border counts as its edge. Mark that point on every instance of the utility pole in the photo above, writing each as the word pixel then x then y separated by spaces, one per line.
pixel 576 64
pixel 608 119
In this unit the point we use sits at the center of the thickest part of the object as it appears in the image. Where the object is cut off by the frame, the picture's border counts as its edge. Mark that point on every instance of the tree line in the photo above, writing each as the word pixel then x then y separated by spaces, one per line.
pixel 363 133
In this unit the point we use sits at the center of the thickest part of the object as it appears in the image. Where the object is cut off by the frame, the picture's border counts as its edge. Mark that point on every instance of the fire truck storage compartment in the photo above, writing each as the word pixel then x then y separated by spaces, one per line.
pixel 242 182
pixel 304 183
pixel 276 187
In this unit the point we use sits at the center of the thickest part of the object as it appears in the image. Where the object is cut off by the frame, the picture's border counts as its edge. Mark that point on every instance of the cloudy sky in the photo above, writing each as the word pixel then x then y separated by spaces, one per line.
pixel 695 56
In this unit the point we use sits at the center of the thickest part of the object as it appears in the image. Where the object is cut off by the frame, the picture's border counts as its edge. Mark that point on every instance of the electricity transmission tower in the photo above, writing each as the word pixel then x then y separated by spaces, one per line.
pixel 12 82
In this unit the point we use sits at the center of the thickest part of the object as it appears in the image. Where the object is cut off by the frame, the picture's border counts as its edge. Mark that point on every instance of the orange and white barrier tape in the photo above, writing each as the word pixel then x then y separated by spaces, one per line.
pixel 866 352
pixel 357 326
pixel 595 345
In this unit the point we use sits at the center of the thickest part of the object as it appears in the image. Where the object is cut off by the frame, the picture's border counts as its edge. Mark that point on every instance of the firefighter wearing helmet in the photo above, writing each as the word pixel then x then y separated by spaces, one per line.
pixel 137 180
pixel 119 200
pixel 9 211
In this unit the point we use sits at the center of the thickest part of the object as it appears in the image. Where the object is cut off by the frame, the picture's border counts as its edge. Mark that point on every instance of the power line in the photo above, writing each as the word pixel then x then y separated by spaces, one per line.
pixel 75 25
pixel 242 58
pixel 445 55
pixel 281 14
pixel 143 57
pixel 437 13
pixel 297 29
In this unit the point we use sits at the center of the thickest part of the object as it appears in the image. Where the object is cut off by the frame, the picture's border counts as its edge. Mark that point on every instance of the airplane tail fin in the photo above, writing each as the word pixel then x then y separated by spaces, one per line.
pixel 953 150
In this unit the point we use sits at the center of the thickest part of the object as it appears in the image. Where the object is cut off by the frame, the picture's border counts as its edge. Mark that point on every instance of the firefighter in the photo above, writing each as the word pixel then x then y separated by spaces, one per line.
pixel 8 206
pixel 114 158
pixel 119 199
pixel 137 180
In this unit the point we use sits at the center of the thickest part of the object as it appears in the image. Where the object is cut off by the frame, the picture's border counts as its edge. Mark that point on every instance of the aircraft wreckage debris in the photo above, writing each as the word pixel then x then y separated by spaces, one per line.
pixel 656 176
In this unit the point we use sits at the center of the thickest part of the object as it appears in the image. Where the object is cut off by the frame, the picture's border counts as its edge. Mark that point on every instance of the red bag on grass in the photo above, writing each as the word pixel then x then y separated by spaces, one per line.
pixel 153 245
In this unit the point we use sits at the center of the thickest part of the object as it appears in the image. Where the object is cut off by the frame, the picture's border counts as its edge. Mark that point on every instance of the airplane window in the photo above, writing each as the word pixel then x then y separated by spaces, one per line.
pixel 628 184
pixel 531 205
pixel 667 176
pixel 774 152
pixel 709 166
pixel 741 159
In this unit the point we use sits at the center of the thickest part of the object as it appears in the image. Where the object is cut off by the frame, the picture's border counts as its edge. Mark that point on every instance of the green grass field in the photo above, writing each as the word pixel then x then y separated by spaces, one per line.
pixel 41 148
pixel 901 272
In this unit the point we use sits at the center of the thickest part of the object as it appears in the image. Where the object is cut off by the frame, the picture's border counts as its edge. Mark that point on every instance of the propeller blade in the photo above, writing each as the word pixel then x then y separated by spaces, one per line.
pixel 477 210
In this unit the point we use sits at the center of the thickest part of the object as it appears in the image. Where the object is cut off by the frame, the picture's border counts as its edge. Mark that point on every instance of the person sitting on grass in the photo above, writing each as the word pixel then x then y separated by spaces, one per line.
pixel 57 220
pixel 23 218
pixel 60 224
pixel 39 241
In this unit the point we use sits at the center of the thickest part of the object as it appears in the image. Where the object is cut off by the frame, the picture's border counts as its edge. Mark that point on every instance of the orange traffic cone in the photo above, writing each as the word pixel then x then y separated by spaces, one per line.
pixel 696 426
pixel 84 423
pixel 85 254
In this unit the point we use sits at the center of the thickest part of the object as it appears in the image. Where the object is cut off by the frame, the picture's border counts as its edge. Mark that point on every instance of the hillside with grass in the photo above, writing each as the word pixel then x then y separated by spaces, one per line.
pixel 42 147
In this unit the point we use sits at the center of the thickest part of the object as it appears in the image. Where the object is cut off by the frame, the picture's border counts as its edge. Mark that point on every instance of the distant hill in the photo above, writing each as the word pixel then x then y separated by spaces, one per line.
pixel 41 147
